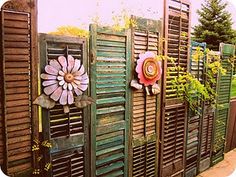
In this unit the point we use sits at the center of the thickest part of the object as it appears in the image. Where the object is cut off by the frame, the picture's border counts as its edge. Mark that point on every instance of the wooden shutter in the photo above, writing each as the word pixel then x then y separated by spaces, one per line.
pixel 68 133
pixel 19 68
pixel 207 122
pixel 194 119
pixel 110 72
pixel 177 35
pixel 145 112
pixel 223 101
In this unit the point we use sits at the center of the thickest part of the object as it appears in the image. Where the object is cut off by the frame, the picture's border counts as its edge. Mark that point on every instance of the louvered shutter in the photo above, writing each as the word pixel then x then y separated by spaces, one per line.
pixel 177 34
pixel 17 74
pixel 145 114
pixel 68 133
pixel 110 72
pixel 194 119
pixel 207 122
pixel 223 100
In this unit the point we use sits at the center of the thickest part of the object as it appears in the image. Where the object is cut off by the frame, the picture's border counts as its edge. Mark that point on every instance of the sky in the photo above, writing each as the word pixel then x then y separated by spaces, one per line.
pixel 56 13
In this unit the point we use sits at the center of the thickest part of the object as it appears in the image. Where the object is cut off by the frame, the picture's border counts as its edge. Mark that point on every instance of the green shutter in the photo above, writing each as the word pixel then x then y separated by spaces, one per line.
pixel 223 101
pixel 207 123
pixel 145 113
pixel 109 72
pixel 194 120
pixel 67 132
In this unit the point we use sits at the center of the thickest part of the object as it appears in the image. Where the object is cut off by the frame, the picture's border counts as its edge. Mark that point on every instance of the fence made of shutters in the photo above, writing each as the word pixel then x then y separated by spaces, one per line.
pixel 223 101
pixel 18 88
pixel 208 117
pixel 173 127
pixel 194 118
pixel 67 132
pixel 145 117
pixel 109 71
pixel 231 130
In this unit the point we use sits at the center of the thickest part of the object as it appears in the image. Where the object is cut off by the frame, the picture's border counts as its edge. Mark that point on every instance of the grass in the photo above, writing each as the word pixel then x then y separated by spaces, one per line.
pixel 233 89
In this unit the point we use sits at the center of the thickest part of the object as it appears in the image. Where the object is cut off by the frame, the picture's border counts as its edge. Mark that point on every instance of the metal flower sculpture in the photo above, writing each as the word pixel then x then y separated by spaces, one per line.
pixel 149 72
pixel 64 78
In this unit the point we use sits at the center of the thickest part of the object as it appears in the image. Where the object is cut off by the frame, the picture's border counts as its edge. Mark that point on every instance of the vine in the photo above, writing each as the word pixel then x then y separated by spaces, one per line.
pixel 38 147
pixel 188 87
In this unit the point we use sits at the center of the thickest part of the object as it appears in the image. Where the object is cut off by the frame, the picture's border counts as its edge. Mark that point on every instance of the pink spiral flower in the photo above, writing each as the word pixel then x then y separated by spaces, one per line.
pixel 148 68
pixel 63 78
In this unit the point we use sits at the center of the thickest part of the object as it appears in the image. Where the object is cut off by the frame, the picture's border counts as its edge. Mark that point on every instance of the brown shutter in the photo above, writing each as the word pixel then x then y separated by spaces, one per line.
pixel 145 113
pixel 177 35
pixel 17 77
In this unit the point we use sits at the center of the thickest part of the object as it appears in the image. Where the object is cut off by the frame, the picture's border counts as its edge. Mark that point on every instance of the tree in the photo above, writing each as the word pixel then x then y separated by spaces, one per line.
pixel 71 31
pixel 215 24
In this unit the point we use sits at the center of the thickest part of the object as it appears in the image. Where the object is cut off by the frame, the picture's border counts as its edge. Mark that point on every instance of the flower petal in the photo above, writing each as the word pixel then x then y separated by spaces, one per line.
pixel 65 86
pixel 78 92
pixel 70 86
pixel 149 54
pixel 61 73
pixel 56 94
pixel 49 82
pixel 70 97
pixel 85 81
pixel 60 78
pixel 62 61
pixel 74 85
pixel 71 63
pixel 82 79
pixel 48 77
pixel 51 70
pixel 85 76
pixel 54 63
pixel 61 82
pixel 48 90
pixel 64 69
pixel 63 99
pixel 141 56
pixel 82 87
pixel 78 78
pixel 77 82
pixel 76 65
pixel 80 72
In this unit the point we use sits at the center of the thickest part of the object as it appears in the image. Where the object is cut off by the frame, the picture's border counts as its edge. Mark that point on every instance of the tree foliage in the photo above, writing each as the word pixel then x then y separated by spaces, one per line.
pixel 215 24
pixel 71 31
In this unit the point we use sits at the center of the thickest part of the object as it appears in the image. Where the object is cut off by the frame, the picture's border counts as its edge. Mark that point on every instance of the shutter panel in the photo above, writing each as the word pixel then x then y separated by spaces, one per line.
pixel 16 57
pixel 223 101
pixel 177 35
pixel 207 124
pixel 67 133
pixel 110 65
pixel 194 120
pixel 145 116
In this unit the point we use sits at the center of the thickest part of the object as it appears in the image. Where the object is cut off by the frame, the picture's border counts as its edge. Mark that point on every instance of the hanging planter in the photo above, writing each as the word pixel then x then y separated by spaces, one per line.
pixel 149 72
pixel 65 79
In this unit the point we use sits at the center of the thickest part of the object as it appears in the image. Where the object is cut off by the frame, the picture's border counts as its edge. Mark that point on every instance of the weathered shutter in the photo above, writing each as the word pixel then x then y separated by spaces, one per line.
pixel 68 133
pixel 177 35
pixel 110 72
pixel 223 101
pixel 207 122
pixel 16 87
pixel 194 119
pixel 145 114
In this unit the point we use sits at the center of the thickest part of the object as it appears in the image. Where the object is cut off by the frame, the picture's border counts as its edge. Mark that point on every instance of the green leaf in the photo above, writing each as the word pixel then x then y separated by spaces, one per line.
pixel 83 101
